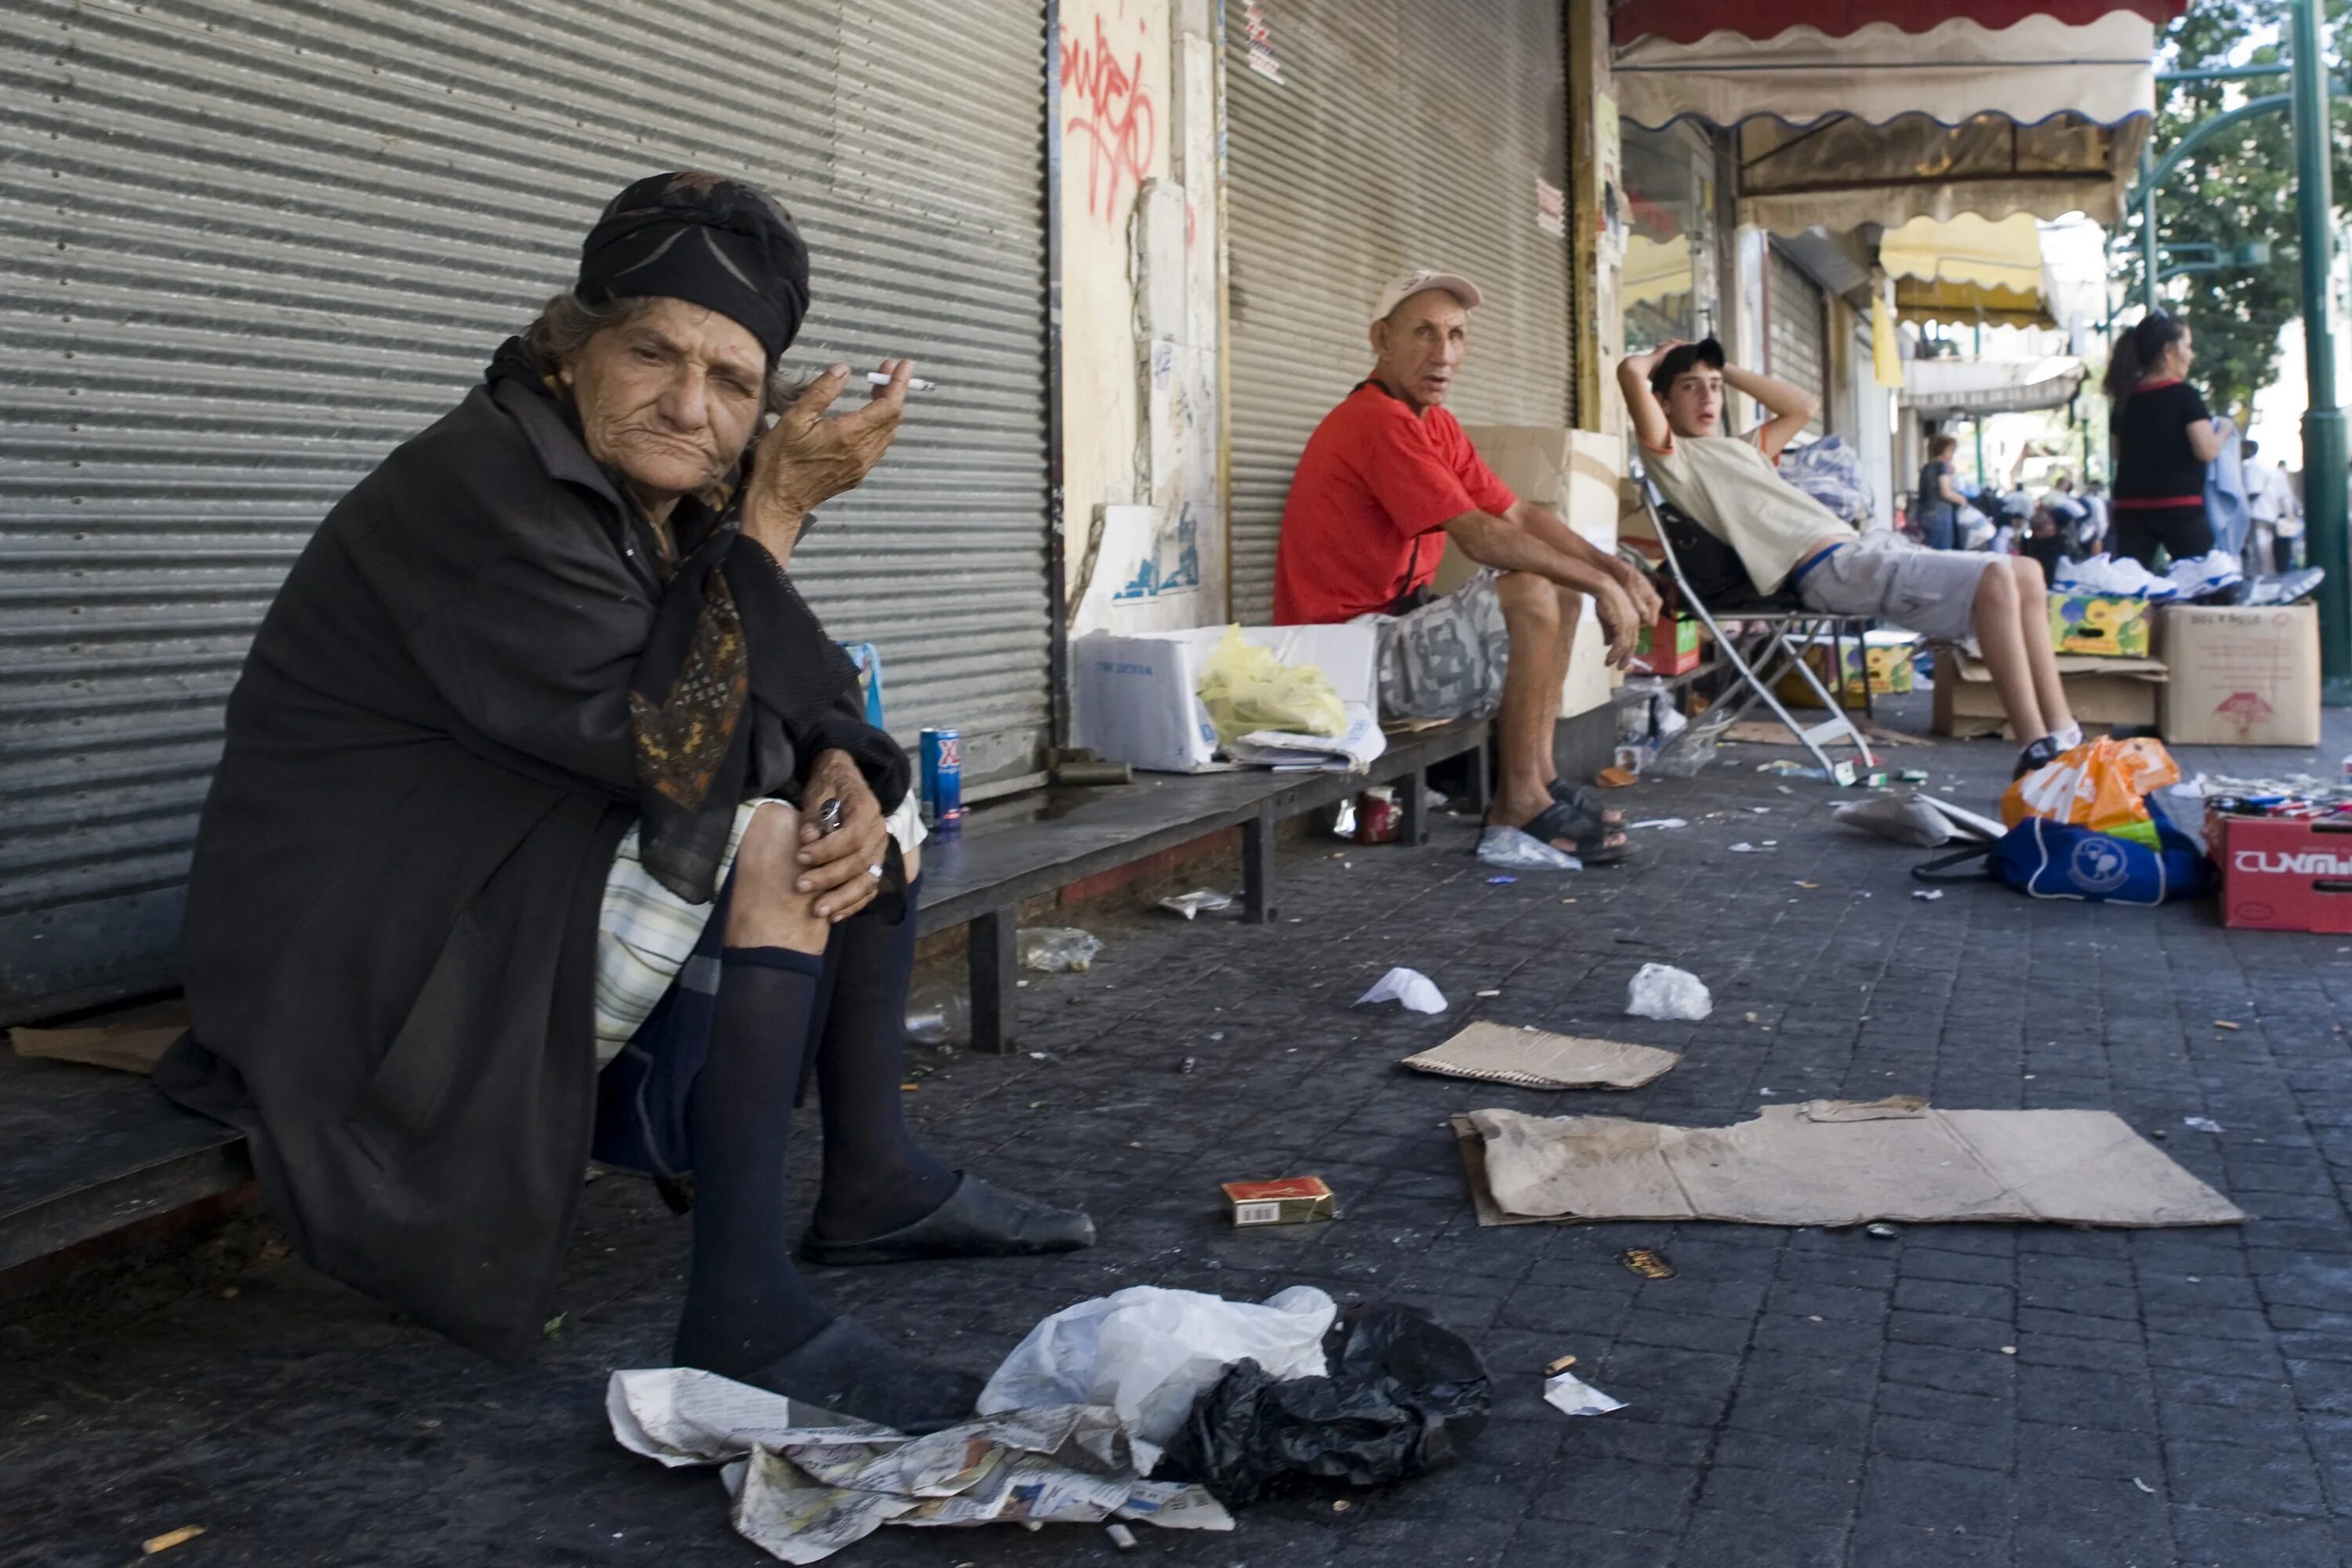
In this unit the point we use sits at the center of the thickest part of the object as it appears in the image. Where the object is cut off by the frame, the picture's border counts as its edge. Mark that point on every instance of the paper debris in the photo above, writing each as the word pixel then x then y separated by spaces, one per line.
pixel 1744 848
pixel 1192 904
pixel 1416 991
pixel 1660 821
pixel 2201 1125
pixel 2143 1486
pixel 1929 895
pixel 1663 991
pixel 803 1491
pixel 1496 1053
pixel 1843 1162
pixel 1572 1395
pixel 2225 1023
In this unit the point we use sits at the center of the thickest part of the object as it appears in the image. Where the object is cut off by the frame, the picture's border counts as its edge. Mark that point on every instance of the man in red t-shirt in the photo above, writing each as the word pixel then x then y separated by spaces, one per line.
pixel 1385 481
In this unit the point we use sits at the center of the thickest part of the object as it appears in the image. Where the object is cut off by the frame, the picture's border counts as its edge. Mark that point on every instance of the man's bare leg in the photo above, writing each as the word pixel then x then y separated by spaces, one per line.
pixel 1540 618
pixel 2002 638
pixel 2040 654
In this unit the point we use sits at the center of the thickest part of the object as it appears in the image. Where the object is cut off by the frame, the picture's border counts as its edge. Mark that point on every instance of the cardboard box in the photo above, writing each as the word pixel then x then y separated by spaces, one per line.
pixel 1577 474
pixel 1293 1200
pixel 1886 655
pixel 2283 873
pixel 2092 624
pixel 2241 677
pixel 1135 699
pixel 1670 646
pixel 2104 692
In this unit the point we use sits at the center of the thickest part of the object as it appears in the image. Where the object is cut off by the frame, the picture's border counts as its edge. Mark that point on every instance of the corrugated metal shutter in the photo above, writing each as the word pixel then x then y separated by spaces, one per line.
pixel 246 248
pixel 1796 344
pixel 1403 134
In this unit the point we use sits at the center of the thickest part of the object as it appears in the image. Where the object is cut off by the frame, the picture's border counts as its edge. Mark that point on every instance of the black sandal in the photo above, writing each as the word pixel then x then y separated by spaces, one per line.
pixel 1592 817
pixel 1560 821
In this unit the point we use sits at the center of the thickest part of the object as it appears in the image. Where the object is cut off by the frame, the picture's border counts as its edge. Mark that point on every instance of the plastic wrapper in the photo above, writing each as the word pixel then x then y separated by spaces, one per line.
pixel 1053 950
pixel 1691 747
pixel 1404 1396
pixel 2101 784
pixel 1149 1353
pixel 1661 990
pixel 1510 849
pixel 1245 687
pixel 939 1015
pixel 1906 819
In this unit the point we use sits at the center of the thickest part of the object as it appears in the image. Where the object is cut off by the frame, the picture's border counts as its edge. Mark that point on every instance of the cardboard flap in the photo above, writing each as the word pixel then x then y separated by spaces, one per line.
pixel 1843 1162
pixel 1497 1053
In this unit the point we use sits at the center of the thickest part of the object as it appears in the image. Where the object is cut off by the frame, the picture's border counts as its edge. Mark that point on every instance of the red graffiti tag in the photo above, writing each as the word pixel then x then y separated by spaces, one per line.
pixel 1114 114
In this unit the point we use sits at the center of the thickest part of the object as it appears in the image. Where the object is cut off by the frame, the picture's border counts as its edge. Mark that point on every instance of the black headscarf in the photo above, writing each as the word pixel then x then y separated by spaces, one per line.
pixel 710 240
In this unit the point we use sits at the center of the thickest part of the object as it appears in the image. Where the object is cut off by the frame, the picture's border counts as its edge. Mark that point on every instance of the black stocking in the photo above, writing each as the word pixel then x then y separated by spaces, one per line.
pixel 877 1177
pixel 745 1304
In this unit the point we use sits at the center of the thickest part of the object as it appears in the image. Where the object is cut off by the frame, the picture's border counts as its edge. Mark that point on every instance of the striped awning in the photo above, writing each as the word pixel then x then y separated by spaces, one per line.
pixel 1881 111
pixel 1968 269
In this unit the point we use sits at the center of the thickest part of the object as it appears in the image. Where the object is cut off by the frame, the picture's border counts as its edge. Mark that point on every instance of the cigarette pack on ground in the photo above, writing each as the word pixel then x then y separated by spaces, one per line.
pixel 1293 1200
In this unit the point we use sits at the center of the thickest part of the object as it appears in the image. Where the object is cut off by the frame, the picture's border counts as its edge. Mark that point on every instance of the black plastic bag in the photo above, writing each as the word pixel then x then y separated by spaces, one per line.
pixel 1404 1398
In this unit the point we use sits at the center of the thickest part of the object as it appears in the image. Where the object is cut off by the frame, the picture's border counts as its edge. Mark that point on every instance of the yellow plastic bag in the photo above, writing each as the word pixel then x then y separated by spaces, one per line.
pixel 1246 689
pixel 2100 784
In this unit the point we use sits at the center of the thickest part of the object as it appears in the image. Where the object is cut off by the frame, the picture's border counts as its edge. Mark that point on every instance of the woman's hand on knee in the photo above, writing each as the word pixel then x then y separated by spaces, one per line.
pixel 842 869
pixel 765 909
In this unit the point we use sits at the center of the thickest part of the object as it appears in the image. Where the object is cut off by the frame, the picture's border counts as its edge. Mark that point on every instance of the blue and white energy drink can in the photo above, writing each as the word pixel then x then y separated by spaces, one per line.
pixel 942 779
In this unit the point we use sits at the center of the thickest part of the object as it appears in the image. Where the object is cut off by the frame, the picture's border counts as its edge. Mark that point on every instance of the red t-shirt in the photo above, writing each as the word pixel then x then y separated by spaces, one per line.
pixel 1373 486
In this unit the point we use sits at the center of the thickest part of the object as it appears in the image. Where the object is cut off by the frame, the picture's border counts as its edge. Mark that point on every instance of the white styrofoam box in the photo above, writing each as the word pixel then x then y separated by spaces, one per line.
pixel 1135 698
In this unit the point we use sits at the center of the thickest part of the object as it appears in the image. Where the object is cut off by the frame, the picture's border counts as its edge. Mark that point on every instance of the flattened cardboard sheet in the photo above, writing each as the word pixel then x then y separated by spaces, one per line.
pixel 128 1041
pixel 1841 1162
pixel 1497 1053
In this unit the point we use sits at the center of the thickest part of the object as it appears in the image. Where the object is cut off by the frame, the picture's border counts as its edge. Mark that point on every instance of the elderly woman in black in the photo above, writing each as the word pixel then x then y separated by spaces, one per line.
pixel 2164 437
pixel 548 817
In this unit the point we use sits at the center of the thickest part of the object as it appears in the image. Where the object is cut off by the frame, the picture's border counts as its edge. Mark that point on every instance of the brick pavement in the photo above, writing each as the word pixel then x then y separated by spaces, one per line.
pixel 1978 1395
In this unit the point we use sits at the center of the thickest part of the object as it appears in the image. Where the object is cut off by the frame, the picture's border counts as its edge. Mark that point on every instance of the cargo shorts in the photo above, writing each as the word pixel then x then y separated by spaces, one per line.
pixel 1446 658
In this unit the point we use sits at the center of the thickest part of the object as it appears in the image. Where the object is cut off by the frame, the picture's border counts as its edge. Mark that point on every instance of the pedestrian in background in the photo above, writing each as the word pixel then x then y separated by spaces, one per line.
pixel 1939 496
pixel 2164 437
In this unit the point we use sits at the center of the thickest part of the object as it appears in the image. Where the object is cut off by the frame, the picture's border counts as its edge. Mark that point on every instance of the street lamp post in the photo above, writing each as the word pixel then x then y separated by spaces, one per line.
pixel 2325 476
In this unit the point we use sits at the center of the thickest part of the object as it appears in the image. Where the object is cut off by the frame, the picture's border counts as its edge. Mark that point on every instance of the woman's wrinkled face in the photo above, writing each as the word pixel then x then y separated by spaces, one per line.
pixel 670 397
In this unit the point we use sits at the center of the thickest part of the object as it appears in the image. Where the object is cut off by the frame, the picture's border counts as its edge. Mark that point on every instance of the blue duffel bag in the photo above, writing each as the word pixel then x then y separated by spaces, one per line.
pixel 2058 861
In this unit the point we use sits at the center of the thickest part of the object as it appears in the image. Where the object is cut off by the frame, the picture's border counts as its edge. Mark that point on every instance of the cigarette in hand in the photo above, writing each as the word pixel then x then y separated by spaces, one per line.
pixel 914 383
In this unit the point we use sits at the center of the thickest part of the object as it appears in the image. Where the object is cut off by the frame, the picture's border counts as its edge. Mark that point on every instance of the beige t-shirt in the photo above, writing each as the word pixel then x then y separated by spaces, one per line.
pixel 1731 490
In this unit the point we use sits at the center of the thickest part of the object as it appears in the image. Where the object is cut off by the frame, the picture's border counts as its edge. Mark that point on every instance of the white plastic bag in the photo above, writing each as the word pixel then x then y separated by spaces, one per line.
pixel 1662 991
pixel 1150 1353
pixel 1417 990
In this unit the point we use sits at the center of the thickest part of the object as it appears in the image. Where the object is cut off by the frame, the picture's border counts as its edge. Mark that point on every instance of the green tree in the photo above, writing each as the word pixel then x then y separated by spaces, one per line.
pixel 2236 188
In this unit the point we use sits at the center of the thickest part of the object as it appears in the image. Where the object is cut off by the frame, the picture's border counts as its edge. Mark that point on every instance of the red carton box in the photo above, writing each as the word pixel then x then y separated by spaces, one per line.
pixel 2285 873
pixel 1667 647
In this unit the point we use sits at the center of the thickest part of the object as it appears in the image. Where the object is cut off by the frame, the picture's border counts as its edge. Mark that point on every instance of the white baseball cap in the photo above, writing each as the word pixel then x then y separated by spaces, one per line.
pixel 1413 283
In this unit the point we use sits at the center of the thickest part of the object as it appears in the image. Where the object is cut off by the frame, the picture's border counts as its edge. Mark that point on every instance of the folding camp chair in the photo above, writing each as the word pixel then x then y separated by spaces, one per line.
pixel 1772 630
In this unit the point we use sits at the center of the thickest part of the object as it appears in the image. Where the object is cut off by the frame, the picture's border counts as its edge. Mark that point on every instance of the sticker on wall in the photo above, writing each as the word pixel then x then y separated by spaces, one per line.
pixel 1551 208
pixel 1261 44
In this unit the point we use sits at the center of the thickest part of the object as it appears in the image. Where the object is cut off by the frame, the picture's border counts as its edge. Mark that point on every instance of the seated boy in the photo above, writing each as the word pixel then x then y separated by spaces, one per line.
pixel 1785 538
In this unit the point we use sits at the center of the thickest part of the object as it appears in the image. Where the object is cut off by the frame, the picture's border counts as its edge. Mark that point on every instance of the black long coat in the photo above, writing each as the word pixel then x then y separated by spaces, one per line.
pixel 392 914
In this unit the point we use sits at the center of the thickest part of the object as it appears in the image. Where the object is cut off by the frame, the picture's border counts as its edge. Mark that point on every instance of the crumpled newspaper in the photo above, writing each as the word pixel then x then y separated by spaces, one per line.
pixel 806 1482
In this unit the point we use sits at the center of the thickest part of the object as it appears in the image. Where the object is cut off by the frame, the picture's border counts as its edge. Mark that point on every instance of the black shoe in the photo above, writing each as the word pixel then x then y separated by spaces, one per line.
pixel 850 1370
pixel 2042 753
pixel 976 1221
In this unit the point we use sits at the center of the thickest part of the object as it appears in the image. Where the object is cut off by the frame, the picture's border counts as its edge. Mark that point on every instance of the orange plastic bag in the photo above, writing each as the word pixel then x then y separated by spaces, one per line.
pixel 2100 784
